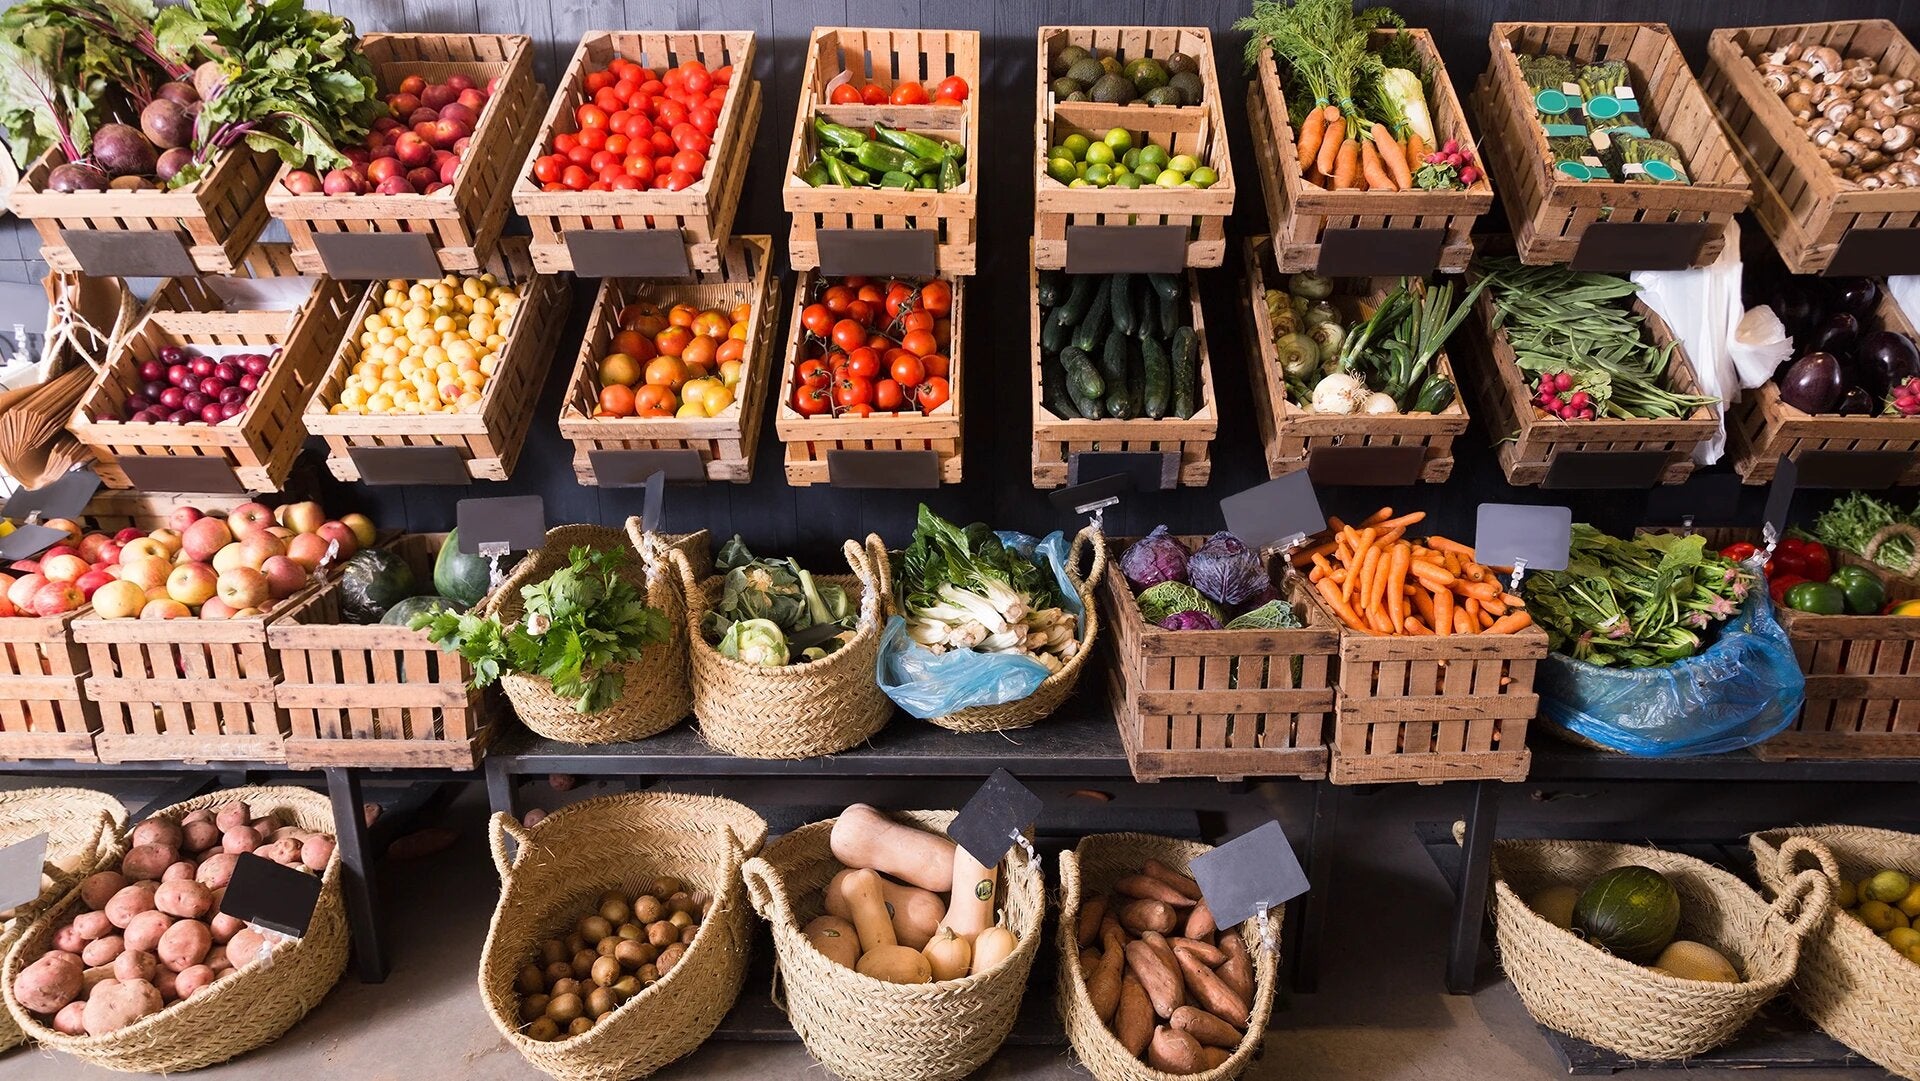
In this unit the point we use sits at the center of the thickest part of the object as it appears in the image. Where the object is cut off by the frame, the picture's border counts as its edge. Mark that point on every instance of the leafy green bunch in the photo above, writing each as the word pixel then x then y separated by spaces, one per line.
pixel 970 557
pixel 1638 603
pixel 580 626
pixel 1324 47
pixel 66 66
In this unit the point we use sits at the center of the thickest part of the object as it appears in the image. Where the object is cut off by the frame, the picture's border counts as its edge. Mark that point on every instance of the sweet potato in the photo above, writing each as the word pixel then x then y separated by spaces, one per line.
pixel 99 888
pixel 1089 961
pixel 244 947
pixel 1200 926
pixel 102 951
pixel 1133 1019
pixel 115 1004
pixel 1141 916
pixel 233 814
pixel 239 840
pixel 1147 887
pixel 130 902
pixel 315 851
pixel 188 900
pixel 193 981
pixel 1174 1051
pixel 49 983
pixel 1237 971
pixel 185 945
pixel 136 965
pixel 1103 986
pixel 144 932
pixel 157 831
pixel 1211 991
pixel 1088 928
pixel 147 861
pixel 1205 1027
pixel 1184 883
pixel 198 837
pixel 1208 953
pixel 1161 980
pixel 216 870
pixel 1212 1058
pixel 70 1020
pixel 92 925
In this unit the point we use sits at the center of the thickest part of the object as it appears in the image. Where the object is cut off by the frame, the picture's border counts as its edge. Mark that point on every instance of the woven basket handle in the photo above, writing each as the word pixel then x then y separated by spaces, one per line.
pixel 107 844
pixel 1806 901
pixel 882 573
pixel 1897 529
pixel 762 891
pixel 1089 536
pixel 873 608
pixel 500 827
pixel 1787 861
pixel 689 582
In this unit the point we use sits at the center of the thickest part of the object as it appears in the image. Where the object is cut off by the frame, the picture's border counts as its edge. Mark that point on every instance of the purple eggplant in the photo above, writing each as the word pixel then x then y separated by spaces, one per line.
pixel 1838 333
pixel 1814 383
pixel 1886 359
pixel 1856 296
pixel 1856 402
pixel 1798 306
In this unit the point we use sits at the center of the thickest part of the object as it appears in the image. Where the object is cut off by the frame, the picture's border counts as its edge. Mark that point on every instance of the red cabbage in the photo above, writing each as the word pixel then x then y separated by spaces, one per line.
pixel 1226 570
pixel 1153 559
pixel 1190 621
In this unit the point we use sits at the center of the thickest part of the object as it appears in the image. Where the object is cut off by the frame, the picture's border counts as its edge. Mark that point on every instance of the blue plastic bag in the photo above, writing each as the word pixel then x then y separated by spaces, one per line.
pixel 928 684
pixel 1743 689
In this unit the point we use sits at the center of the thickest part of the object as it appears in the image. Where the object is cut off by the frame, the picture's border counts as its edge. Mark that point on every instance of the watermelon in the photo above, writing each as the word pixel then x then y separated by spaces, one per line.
pixel 459 576
pixel 401 614
pixel 373 581
pixel 1631 912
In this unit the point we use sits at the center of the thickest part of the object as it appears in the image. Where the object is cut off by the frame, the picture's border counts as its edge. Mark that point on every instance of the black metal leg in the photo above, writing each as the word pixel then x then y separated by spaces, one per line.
pixel 502 788
pixel 350 826
pixel 177 788
pixel 1470 895
pixel 1308 925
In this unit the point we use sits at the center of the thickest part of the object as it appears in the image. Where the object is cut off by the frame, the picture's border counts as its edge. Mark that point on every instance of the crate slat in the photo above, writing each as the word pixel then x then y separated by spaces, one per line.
pixel 42 711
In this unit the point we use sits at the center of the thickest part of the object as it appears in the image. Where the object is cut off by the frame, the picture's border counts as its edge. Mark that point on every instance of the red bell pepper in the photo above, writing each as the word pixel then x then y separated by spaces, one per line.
pixel 1778 584
pixel 1808 559
pixel 1739 551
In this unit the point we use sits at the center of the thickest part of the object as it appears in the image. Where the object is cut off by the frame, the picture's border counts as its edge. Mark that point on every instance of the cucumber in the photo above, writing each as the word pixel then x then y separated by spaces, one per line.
pixel 1171 290
pixel 1052 288
pixel 1119 404
pixel 1088 331
pixel 1136 376
pixel 1169 286
pixel 1120 298
pixel 1056 332
pixel 1186 372
pixel 1084 384
pixel 1158 377
pixel 1113 358
pixel 1079 298
pixel 1053 388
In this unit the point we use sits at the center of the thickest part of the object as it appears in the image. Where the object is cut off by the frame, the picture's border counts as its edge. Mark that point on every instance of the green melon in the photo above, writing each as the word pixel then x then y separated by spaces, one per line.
pixel 373 581
pixel 461 577
pixel 401 614
pixel 1632 912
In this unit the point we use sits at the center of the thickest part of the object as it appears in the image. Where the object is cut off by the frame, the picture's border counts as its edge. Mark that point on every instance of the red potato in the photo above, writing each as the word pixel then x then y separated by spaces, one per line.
pixel 130 902
pixel 68 940
pixel 185 945
pixel 115 1004
pixel 179 871
pixel 157 831
pixel 188 900
pixel 288 832
pixel 99 888
pixel 144 932
pixel 136 965
pixel 103 951
pixel 201 815
pixel 93 977
pixel 218 961
pixel 233 814
pixel 285 852
pixel 224 927
pixel 194 980
pixel 69 1021
pixel 316 851
pixel 201 836
pixel 164 979
pixel 246 946
pixel 263 829
pixel 238 840
pixel 216 870
pixel 48 984
pixel 92 925
pixel 148 861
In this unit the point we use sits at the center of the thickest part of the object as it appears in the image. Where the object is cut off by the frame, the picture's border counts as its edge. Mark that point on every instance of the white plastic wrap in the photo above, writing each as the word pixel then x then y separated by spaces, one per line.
pixel 1702 308
pixel 1905 291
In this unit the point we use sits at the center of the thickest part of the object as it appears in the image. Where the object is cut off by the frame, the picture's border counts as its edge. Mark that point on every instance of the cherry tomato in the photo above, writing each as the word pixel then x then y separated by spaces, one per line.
pixel 837 298
pixel 937 297
pixel 576 178
pixel 817 319
pixel 872 293
pixel 935 363
pixel 908 370
pixel 548 168
pixel 919 343
pixel 909 93
pixel 931 394
pixel 954 87
pixel 887 396
pixel 849 335
pixel 851 390
pixel 873 94
pixel 863 362
pixel 813 373
pixel 862 310
pixel 812 401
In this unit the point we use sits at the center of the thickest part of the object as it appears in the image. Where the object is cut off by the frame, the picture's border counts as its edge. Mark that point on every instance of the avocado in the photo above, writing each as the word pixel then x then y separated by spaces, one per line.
pixel 1065 59
pixel 1112 90
pixel 1077 95
pixel 1181 62
pixel 1163 95
pixel 1086 71
pixel 1189 86
pixel 1063 86
pixel 1145 73
pixel 1110 65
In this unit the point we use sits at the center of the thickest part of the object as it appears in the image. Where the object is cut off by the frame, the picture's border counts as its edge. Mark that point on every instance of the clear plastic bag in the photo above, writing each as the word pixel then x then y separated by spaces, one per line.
pixel 1743 689
pixel 928 684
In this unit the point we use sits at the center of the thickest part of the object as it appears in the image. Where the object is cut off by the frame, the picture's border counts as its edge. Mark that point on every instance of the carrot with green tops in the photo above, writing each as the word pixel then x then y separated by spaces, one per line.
pixel 1416 149
pixel 1346 165
pixel 1313 129
pixel 1372 171
pixel 1332 135
pixel 1392 156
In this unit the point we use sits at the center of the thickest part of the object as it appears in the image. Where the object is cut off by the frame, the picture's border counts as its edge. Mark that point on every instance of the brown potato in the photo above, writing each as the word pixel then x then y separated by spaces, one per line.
pixel 605 971
pixel 593 928
pixel 600 1002
pixel 99 888
pixel 614 908
pixel 666 886
pixel 148 861
pixel 670 957
pixel 532 980
pixel 662 934
pixel 557 971
pixel 575 943
pixel 316 851
pixel 634 954
pixel 689 932
pixel 625 987
pixel 579 1026
pixel 647 975
pixel 552 950
pixel 681 919
pixel 197 837
pixel 680 902
pixel 583 964
pixel 648 909
pixel 630 930
pixel 543 1029
pixel 565 986
pixel 605 946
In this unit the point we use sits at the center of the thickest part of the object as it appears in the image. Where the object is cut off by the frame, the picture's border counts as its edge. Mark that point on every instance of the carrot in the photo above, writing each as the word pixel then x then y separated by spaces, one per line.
pixel 1432 574
pixel 1414 626
pixel 1462 623
pixel 1331 594
pixel 1372 171
pixel 1362 589
pixel 1416 149
pixel 1378 517
pixel 1333 134
pixel 1382 574
pixel 1320 565
pixel 1473 572
pixel 1392 157
pixel 1473 608
pixel 1346 168
pixel 1512 601
pixel 1312 130
pixel 1511 622
pixel 1481 590
pixel 1396 582
pixel 1423 605
pixel 1442 612
pixel 1377 619
pixel 1493 608
pixel 1362 547
pixel 1434 540
pixel 1403 521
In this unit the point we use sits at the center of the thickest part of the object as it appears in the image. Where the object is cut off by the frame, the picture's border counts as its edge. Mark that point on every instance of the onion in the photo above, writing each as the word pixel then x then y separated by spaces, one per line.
pixel 1378 403
pixel 1339 393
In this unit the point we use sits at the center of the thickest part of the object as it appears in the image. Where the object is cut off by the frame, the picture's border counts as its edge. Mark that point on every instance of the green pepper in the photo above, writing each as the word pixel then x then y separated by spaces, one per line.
pixel 839 135
pixel 950 176
pixel 954 150
pixel 816 174
pixel 1865 595
pixel 898 180
pixel 889 159
pixel 930 150
pixel 846 174
pixel 1819 598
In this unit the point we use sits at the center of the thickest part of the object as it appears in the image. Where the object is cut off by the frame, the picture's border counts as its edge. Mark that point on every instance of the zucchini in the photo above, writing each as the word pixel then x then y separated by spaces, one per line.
pixel 1089 330
pixel 1055 331
pixel 1053 388
pixel 1186 373
pixel 1158 381
pixel 1120 297
pixel 1084 384
pixel 1113 358
pixel 1052 288
pixel 1079 298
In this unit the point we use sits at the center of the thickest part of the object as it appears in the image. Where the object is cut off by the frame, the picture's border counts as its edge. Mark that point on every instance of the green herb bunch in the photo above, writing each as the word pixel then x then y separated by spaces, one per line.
pixel 1637 603
pixel 580 626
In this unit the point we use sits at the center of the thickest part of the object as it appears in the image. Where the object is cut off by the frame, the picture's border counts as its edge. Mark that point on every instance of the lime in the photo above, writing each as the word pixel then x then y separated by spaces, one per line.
pixel 1157 155
pixel 1120 139
pixel 1076 144
pixel 1120 169
pixel 1185 163
pixel 1079 182
pixel 1129 180
pixel 1099 175
pixel 1880 917
pixel 1131 158
pixel 1203 177
pixel 1170 178
pixel 1147 171
pixel 1889 886
pixel 1062 169
pixel 1100 154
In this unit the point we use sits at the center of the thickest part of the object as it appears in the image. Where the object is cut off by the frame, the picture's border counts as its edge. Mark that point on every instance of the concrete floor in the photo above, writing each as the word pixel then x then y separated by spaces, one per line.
pixel 1379 1014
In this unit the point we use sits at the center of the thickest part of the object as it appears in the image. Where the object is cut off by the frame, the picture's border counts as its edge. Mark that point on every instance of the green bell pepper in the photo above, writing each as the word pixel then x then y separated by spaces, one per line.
pixel 816 175
pixel 950 176
pixel 1819 598
pixel 902 181
pixel 1865 595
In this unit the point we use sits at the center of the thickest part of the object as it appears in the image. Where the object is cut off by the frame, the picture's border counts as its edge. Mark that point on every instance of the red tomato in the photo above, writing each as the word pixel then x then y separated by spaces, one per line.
pixel 817 319
pixel 596 80
pixel 908 93
pixel 838 299
pixel 919 343
pixel 860 410
pixel 564 142
pixel 639 127
pixel 931 394
pixel 617 144
pixel 849 335
pixel 593 138
pixel 845 94
pixel 680 180
pixel 851 390
pixel 937 297
pixel 862 310
pixel 576 178
pixel 581 154
pixel 604 160
pixel 908 370
pixel 917 319
pixel 590 116
pixel 608 98
pixel 669 112
pixel 954 87
pixel 863 362
pixel 873 94
pixel 812 373
pixel 898 294
pixel 723 75
pixel 812 401
pixel 625 182
pixel 662 142
pixel 696 76
pixel 638 166
pixel 887 396
pixel 935 363
pixel 705 118
pixel 691 139
pixel 548 168
pixel 554 186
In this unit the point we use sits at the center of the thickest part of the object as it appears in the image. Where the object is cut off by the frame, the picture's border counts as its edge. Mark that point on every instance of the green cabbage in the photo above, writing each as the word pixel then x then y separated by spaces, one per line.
pixel 1269 616
pixel 1157 602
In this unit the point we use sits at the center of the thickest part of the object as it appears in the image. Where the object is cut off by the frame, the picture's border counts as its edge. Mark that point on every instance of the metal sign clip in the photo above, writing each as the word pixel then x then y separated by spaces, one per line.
pixel 1519 571
pixel 495 551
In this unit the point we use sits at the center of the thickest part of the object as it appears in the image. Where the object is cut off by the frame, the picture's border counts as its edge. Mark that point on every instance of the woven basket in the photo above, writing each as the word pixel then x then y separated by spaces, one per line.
pixel 622 843
pixel 1091 868
pixel 656 694
pixel 1054 690
pixel 244 1009
pixel 83 836
pixel 1853 985
pixel 1579 989
pixel 864 1029
pixel 795 710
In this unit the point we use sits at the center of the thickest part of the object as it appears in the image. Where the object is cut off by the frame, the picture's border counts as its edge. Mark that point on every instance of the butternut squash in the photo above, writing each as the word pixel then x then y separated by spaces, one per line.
pixel 990 947
pixel 896 964
pixel 862 837
pixel 970 907
pixel 1205 1027
pixel 1211 991
pixel 836 938
pixel 916 913
pixel 1237 971
pixel 1174 1051
pixel 869 911
pixel 1133 1019
pixel 948 955
pixel 1184 883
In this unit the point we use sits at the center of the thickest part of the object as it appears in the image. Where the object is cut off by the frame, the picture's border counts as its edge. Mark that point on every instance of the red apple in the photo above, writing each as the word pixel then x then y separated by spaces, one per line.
pixel 242 587
pixel 394 185
pixel 308 549
pixel 92 580
pixel 204 538
pixel 421 177
pixel 7 611
pixel 341 535
pixel 422 115
pixel 215 608
pixel 378 172
pixel 460 146
pixel 345 182
pixel 305 517
pixel 64 568
pixel 474 99
pixel 284 576
pixel 385 124
pixel 362 526
pixel 301 182
pixel 460 82
pixel 165 608
pixel 109 554
pixel 448 132
pixel 438 95
pixel 258 548
pixel 248 519
pixel 24 566
pixel 449 169
pixel 412 84
pixel 192 583
pixel 23 588
pixel 403 104
pixel 412 150
pixel 131 533
pixel 91 544
pixel 461 113
pixel 54 598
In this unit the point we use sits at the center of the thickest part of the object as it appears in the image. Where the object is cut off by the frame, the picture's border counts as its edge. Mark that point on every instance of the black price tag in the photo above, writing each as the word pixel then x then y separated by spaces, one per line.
pixel 1704 499
pixel 1606 469
pixel 1860 470
pixel 517 521
pixel 410 465
pixel 268 895
pixel 21 865
pixel 906 253
pixel 1866 251
pixel 1381 466
pixel 1256 869
pixel 1786 478
pixel 1618 247
pixel 1379 253
pixel 1512 534
pixel 165 473
pixel 369 256
pixel 993 819
pixel 1150 471
pixel 883 468
pixel 27 541
pixel 1092 497
pixel 130 253
pixel 1126 249
pixel 1280 512
pixel 64 498
pixel 631 468
pixel 628 253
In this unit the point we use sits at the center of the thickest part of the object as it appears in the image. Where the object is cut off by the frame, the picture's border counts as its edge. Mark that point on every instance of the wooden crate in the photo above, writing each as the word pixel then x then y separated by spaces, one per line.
pixel 1301 214
pixel 702 213
pixel 1200 130
pixel 375 695
pixel 1432 709
pixel 1292 435
pixel 886 57
pixel 112 510
pixel 42 712
pixel 217 217
pixel 1761 427
pixel 463 221
pixel 260 444
pixel 1530 442
pixel 1057 439
pixel 1223 703
pixel 487 436
pixel 266 262
pixel 1550 211
pixel 1807 209
pixel 809 440
pixel 1863 687
pixel 726 443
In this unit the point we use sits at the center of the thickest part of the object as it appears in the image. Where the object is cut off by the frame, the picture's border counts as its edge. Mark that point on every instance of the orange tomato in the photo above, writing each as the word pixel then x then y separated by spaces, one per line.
pixel 919 343
pixel 937 297
pixel 643 317
pixel 673 340
pixel 742 312
pixel 655 401
pixel 667 371
pixel 712 323
pixel 730 372
pixel 635 344
pixel 936 364
pixel 738 331
pixel 701 351
pixel 617 400
pixel 682 315
pixel 733 349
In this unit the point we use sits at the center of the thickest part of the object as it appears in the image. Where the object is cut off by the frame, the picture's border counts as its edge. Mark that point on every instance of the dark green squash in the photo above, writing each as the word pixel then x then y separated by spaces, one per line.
pixel 1632 912
pixel 461 577
pixel 373 581
pixel 401 614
